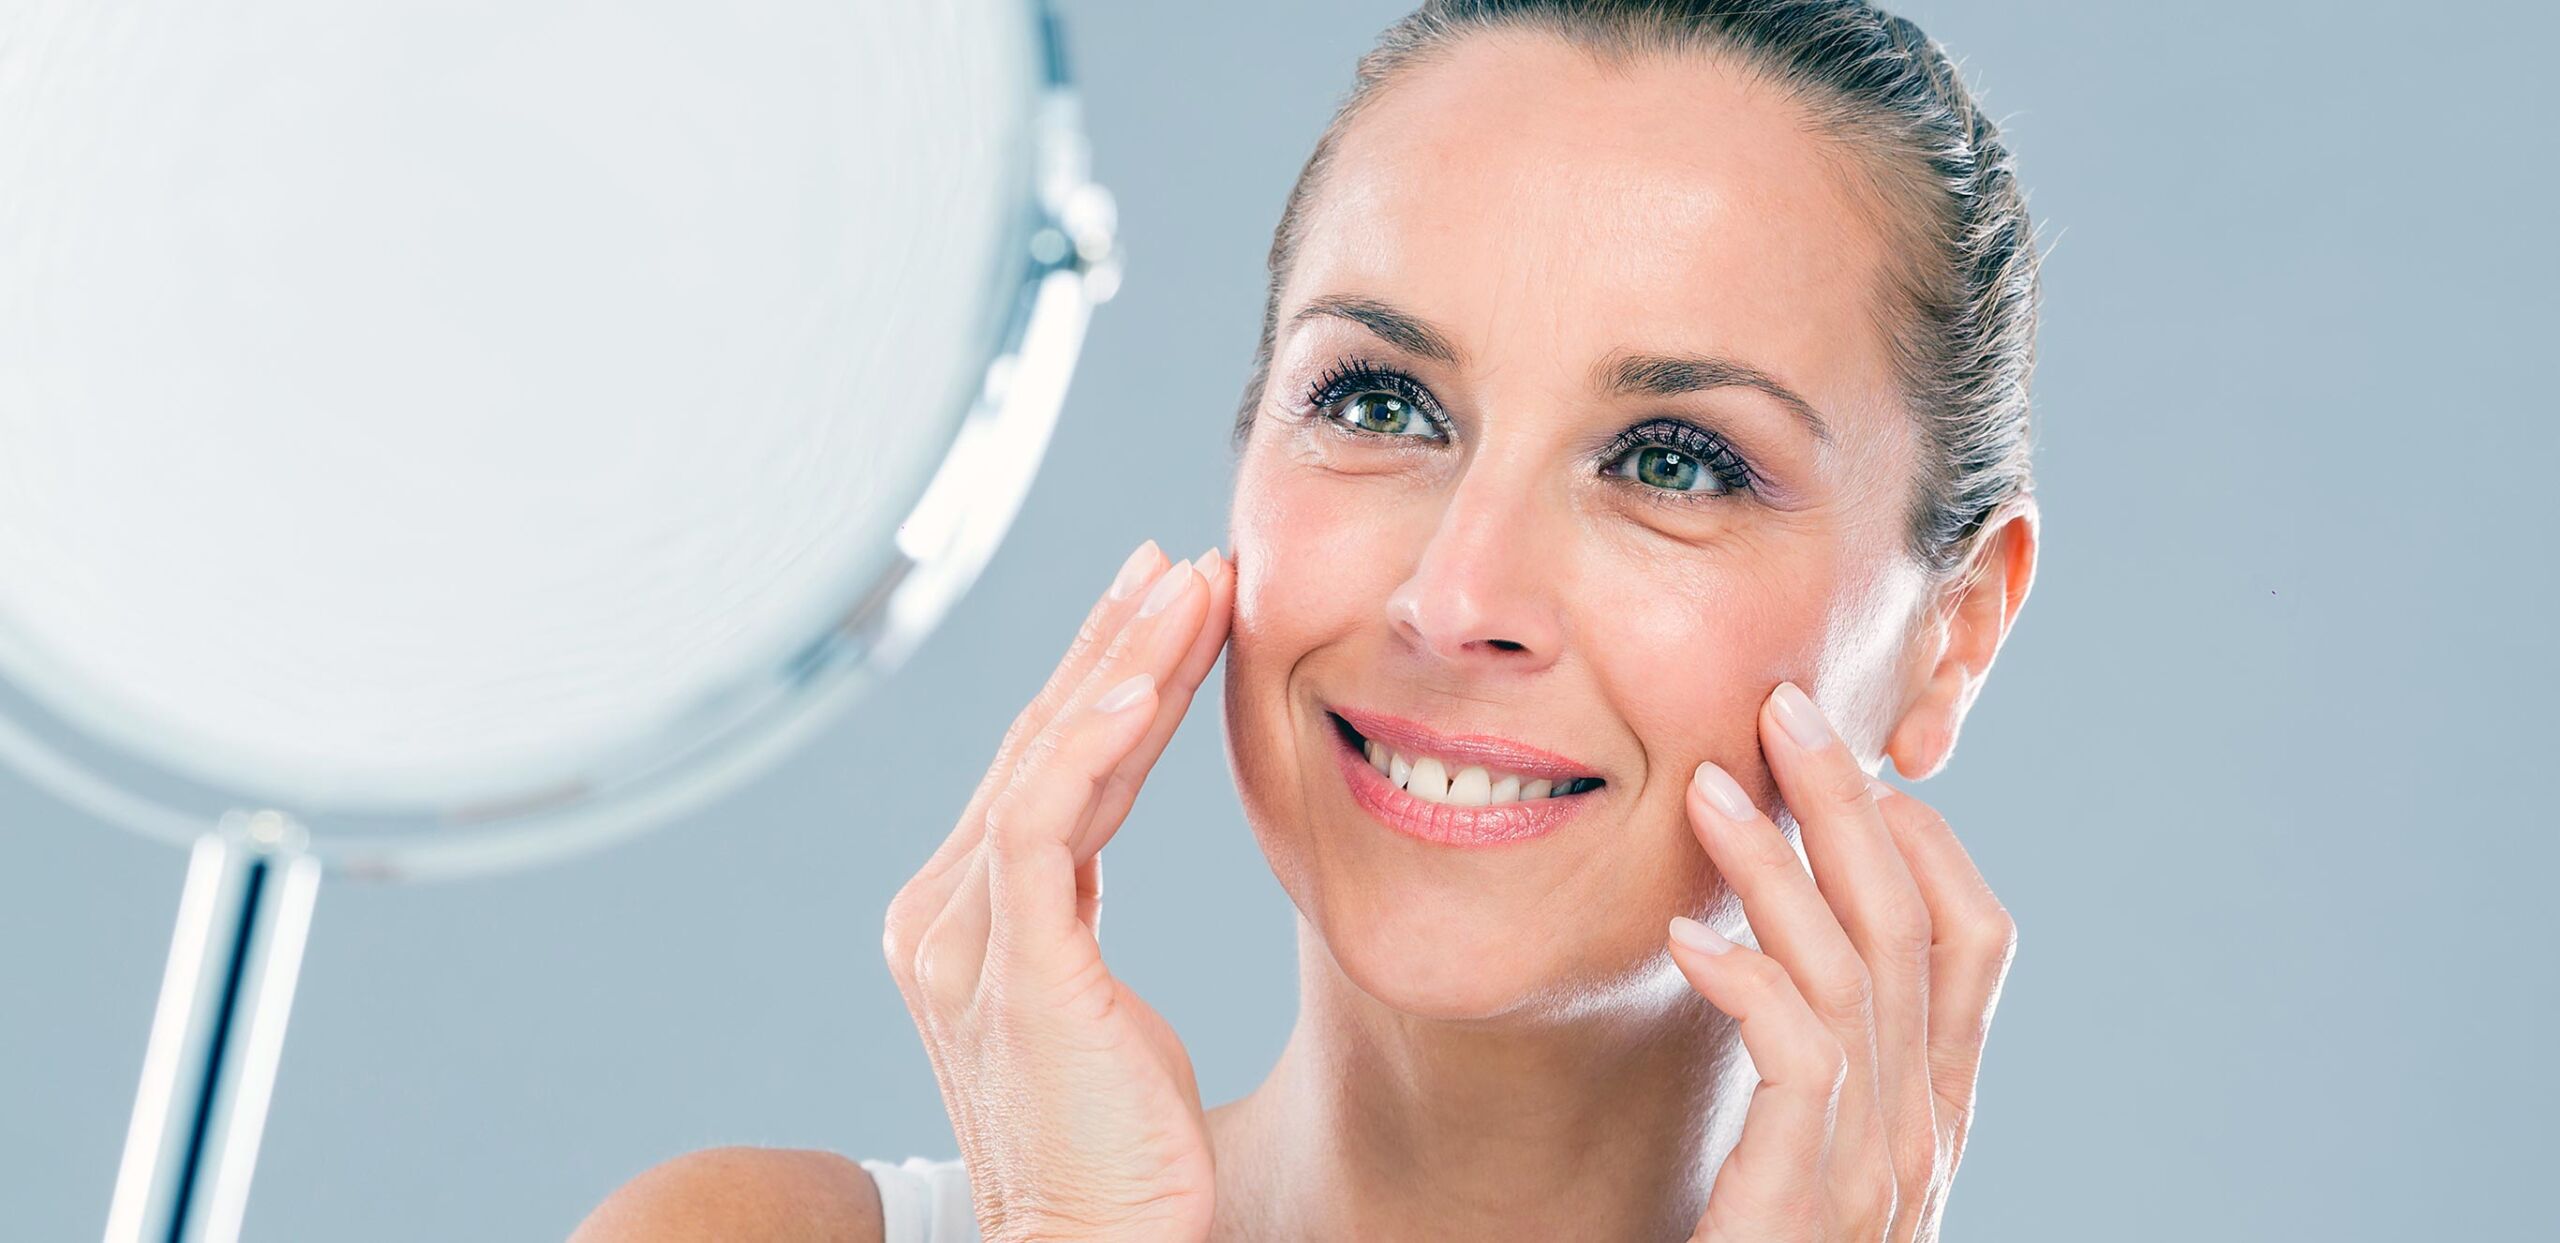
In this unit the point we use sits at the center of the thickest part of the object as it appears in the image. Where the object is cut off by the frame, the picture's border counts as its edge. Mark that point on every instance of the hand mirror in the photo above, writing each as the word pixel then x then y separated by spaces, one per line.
pixel 441 435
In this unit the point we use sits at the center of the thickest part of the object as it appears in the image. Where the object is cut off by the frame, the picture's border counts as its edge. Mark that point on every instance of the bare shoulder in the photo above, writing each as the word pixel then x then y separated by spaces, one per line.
pixel 754 1195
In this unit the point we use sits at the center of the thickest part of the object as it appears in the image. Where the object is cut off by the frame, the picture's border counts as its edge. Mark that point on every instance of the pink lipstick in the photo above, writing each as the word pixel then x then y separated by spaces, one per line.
pixel 1450 824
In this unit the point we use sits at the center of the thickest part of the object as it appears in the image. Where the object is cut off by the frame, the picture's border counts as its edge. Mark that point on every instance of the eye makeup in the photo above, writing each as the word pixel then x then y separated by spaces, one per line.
pixel 1709 451
pixel 1355 377
pixel 1671 439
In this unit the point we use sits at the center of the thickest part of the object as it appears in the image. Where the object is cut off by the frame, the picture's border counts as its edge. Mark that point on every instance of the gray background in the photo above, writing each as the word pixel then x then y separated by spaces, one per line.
pixel 2259 775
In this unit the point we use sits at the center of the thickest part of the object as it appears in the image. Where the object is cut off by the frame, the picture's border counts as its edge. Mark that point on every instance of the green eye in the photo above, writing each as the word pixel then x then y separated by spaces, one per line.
pixel 1384 413
pixel 1673 471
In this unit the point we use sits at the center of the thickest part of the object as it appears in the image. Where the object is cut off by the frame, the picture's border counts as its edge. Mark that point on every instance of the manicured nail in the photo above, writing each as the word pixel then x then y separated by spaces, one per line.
pixel 1133 571
pixel 1802 721
pixel 1209 561
pixel 1129 691
pixel 1167 588
pixel 1722 791
pixel 1697 936
pixel 1878 790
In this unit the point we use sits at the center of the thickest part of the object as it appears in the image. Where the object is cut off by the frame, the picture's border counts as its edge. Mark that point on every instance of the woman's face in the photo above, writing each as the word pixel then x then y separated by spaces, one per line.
pixel 1551 255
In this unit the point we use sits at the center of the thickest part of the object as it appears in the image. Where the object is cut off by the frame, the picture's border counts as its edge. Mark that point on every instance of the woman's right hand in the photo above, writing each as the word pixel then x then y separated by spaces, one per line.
pixel 1074 1103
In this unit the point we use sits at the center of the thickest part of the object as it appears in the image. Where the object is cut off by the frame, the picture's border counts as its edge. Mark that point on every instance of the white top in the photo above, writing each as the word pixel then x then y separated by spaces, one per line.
pixel 924 1201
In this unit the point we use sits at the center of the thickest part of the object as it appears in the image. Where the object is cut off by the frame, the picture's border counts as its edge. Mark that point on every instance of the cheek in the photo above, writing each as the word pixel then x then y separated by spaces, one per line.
pixel 1306 579
pixel 1308 563
pixel 1690 649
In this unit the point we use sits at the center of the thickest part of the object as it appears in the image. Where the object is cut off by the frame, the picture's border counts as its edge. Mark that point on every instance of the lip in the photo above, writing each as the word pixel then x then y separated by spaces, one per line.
pixel 1447 824
pixel 1413 738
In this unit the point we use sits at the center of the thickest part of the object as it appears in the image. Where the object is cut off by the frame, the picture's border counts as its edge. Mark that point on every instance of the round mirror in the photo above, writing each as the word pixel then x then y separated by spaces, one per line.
pixel 444 434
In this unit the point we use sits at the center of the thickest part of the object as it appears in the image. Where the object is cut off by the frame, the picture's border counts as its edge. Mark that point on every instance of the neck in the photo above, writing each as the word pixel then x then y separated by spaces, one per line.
pixel 1603 1123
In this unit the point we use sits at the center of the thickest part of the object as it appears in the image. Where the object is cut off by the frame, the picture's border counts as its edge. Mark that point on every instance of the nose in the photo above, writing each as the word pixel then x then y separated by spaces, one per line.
pixel 1484 595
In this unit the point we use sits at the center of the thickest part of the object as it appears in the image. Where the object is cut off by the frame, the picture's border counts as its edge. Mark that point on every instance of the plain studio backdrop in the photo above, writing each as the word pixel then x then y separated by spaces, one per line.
pixel 2261 774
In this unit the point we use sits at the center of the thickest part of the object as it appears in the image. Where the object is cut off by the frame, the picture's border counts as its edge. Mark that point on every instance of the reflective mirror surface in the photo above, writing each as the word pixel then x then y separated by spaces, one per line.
pixel 432 414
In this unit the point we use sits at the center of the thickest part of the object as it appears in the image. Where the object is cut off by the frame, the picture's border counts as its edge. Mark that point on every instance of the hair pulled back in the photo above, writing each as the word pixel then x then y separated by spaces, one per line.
pixel 1963 334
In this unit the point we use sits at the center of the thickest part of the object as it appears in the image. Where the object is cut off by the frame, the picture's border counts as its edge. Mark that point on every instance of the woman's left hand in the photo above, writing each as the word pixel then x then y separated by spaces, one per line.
pixel 1866 1015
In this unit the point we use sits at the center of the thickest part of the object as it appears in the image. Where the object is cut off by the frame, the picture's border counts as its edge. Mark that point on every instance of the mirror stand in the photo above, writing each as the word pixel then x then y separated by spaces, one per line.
pixel 217 1033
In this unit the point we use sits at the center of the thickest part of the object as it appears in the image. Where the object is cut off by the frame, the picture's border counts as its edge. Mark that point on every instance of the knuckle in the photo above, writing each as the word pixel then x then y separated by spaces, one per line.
pixel 926 976
pixel 1995 935
pixel 910 963
pixel 927 967
pixel 1115 650
pixel 1769 854
pixel 1831 1062
pixel 1038 752
pixel 1769 977
pixel 1843 783
pixel 1844 993
pixel 1904 930
pixel 1029 720
pixel 1096 629
pixel 897 936
pixel 900 956
pixel 1930 821
pixel 1006 823
pixel 1005 818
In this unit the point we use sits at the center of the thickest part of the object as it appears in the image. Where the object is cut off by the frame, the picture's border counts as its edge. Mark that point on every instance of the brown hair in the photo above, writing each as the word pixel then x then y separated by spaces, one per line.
pixel 1964 344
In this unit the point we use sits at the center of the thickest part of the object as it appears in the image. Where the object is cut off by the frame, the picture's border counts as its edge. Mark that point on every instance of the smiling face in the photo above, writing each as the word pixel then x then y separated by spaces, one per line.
pixel 1580 432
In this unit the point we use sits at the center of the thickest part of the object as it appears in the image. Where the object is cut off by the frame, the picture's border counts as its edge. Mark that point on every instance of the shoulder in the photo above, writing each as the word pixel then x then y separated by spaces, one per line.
pixel 745 1194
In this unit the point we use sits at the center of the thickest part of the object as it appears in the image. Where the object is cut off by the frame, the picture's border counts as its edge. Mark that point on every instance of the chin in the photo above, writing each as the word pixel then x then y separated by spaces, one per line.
pixel 1463 936
pixel 1526 928
pixel 1426 960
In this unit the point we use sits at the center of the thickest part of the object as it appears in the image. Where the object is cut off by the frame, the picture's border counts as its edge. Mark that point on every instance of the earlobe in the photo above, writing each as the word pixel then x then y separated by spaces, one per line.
pixel 1925 736
pixel 1976 612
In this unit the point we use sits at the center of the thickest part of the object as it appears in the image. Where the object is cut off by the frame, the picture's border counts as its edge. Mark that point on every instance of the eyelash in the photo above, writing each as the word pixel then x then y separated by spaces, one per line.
pixel 1356 377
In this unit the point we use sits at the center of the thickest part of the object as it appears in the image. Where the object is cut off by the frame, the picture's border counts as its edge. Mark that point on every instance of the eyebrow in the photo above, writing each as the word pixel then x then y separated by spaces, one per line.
pixel 1634 375
pixel 1403 331
pixel 1669 375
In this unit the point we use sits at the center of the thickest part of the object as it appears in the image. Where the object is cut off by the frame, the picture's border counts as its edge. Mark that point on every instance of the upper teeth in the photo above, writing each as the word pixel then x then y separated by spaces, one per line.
pixel 1474 786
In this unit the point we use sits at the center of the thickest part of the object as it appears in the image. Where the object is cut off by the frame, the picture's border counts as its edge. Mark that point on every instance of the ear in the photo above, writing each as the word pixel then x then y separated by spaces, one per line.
pixel 1967 622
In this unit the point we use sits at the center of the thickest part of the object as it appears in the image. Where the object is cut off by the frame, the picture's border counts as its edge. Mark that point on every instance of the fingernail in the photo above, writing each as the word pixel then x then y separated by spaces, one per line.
pixel 1167 588
pixel 1878 790
pixel 1133 571
pixel 1722 791
pixel 1129 691
pixel 1802 721
pixel 1208 561
pixel 1697 936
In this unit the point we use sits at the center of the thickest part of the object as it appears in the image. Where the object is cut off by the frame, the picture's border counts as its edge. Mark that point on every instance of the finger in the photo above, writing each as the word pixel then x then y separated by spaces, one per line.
pixel 1034 825
pixel 1785 909
pixel 1167 630
pixel 1020 891
pixel 1868 885
pixel 1173 698
pixel 1103 622
pixel 1799 929
pixel 1973 941
pixel 1016 906
pixel 951 952
pixel 935 881
pixel 1772 1184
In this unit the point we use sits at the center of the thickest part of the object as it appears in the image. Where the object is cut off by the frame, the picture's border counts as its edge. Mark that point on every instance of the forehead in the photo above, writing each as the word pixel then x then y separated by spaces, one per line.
pixel 1520 192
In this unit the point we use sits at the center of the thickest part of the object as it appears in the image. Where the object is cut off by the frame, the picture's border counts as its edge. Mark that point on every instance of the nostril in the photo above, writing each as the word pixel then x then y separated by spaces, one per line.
pixel 1507 645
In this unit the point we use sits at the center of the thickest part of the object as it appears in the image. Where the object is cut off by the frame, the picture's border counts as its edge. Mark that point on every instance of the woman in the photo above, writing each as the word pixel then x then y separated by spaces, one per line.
pixel 1635 457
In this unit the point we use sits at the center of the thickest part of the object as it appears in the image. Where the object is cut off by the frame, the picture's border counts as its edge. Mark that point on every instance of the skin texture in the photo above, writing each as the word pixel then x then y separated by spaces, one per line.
pixel 773 1194
pixel 1500 1043
pixel 1496 1033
